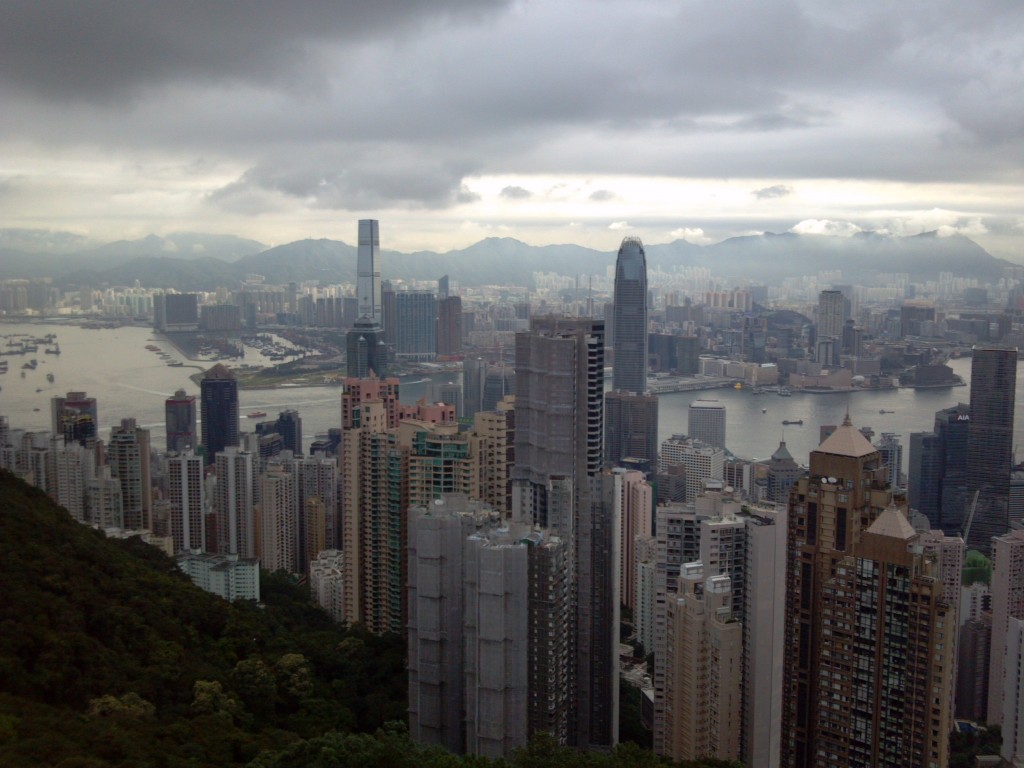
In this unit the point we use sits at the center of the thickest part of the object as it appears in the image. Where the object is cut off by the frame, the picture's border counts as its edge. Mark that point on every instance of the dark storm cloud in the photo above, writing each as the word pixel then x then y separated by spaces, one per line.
pixel 772 192
pixel 71 49
pixel 515 193
pixel 356 105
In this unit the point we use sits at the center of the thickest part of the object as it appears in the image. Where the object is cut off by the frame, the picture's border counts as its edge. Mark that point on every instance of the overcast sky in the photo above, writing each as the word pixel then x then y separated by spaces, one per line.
pixel 547 120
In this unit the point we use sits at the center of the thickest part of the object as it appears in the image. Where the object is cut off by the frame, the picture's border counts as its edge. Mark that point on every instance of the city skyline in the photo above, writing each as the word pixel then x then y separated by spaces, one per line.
pixel 279 124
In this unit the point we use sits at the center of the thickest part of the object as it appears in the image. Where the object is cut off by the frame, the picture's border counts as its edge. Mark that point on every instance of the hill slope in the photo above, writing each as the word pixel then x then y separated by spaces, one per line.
pixel 107 650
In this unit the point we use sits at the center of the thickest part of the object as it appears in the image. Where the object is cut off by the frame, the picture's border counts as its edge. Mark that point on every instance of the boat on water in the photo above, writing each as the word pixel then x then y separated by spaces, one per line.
pixel 256 414
pixel 783 392
pixel 49 377
pixel 792 421
pixel 764 410
pixel 883 410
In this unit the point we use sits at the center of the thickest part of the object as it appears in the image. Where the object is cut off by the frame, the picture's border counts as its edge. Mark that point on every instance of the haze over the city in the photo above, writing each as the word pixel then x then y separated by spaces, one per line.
pixel 549 122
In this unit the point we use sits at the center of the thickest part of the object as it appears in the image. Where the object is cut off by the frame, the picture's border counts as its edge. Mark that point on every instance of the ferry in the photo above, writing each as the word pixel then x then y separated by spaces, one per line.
pixel 783 392
pixel 882 410
pixel 256 414
pixel 793 421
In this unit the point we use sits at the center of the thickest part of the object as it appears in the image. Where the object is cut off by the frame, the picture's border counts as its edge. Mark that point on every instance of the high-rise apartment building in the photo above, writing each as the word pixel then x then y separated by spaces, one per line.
pixel 706 422
pixel 128 457
pixel 416 335
pixel 629 362
pixel 277 520
pixel 186 492
pixel 703 659
pixel 449 325
pixel 73 467
pixel 75 417
pixel 218 400
pixel 180 421
pixel 233 503
pixel 556 485
pixel 990 444
pixel 869 630
pixel 701 462
pixel 106 506
pixel 1007 604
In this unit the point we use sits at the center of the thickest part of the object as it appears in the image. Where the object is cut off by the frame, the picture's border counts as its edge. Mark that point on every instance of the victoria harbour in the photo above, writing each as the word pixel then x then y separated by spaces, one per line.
pixel 114 366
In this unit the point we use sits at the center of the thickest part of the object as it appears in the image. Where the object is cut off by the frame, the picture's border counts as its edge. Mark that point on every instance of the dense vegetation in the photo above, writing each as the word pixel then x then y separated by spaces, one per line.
pixel 109 656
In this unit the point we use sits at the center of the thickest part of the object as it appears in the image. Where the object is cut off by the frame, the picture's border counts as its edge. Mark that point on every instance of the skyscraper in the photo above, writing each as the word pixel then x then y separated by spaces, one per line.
pixel 449 325
pixel 631 429
pixel 365 347
pixel 416 315
pixel 75 418
pixel 218 395
pixel 368 272
pixel 707 422
pixel 187 496
pixel 868 670
pixel 233 503
pixel 128 458
pixel 557 485
pixel 180 420
pixel 629 365
pixel 990 444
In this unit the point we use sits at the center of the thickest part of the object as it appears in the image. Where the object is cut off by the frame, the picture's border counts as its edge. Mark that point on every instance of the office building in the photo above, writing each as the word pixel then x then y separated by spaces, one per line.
pixel 783 472
pixel 218 402
pixel 416 316
pixel 990 445
pixel 368 287
pixel 449 326
pixel 631 429
pixel 474 373
pixel 128 456
pixel 937 476
pixel 186 493
pixel 180 421
pixel 366 352
pixel 629 360
pixel 868 673
pixel 75 417
pixel 891 451
pixel 706 420
pixel 832 314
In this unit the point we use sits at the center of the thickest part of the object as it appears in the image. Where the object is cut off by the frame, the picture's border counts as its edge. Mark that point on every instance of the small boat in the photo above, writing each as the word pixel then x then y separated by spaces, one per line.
pixel 35 409
pixel 792 421
pixel 882 410
pixel 764 410
pixel 256 414
pixel 49 377
pixel 783 392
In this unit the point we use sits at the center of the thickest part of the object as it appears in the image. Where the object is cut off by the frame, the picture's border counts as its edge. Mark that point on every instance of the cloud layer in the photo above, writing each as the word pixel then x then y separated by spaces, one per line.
pixel 259 109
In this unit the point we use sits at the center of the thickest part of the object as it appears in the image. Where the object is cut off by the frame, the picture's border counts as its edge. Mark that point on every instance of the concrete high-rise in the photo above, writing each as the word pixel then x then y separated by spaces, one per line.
pixel 218 401
pixel 128 456
pixel 416 335
pixel 707 422
pixel 186 492
pixel 75 417
pixel 557 486
pixel 869 665
pixel 180 421
pixel 368 289
pixel 365 345
pixel 629 363
pixel 277 515
pixel 1007 605
pixel 990 444
pixel 449 325
pixel 631 429
pixel 233 503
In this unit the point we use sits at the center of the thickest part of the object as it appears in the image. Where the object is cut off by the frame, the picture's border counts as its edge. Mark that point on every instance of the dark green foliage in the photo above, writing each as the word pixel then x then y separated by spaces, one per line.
pixel 110 656
pixel 965 747
pixel 631 727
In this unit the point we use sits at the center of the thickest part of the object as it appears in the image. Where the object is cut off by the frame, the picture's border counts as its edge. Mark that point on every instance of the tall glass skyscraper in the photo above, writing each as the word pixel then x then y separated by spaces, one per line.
pixel 990 444
pixel 368 272
pixel 629 367
pixel 218 403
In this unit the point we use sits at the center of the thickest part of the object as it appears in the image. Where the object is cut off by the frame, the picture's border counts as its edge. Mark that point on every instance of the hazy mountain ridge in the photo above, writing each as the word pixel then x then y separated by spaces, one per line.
pixel 765 258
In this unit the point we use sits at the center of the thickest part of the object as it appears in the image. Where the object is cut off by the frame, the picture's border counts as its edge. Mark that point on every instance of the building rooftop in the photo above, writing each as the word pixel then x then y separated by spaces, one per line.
pixel 219 371
pixel 847 441
pixel 892 522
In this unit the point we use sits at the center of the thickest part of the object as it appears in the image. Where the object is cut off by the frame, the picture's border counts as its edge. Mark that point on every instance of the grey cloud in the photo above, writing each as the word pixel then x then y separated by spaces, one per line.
pixel 515 193
pixel 772 192
pixel 79 50
pixel 362 182
pixel 601 195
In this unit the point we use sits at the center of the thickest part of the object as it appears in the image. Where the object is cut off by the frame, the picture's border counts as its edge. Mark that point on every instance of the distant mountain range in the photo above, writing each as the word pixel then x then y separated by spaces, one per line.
pixel 189 261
